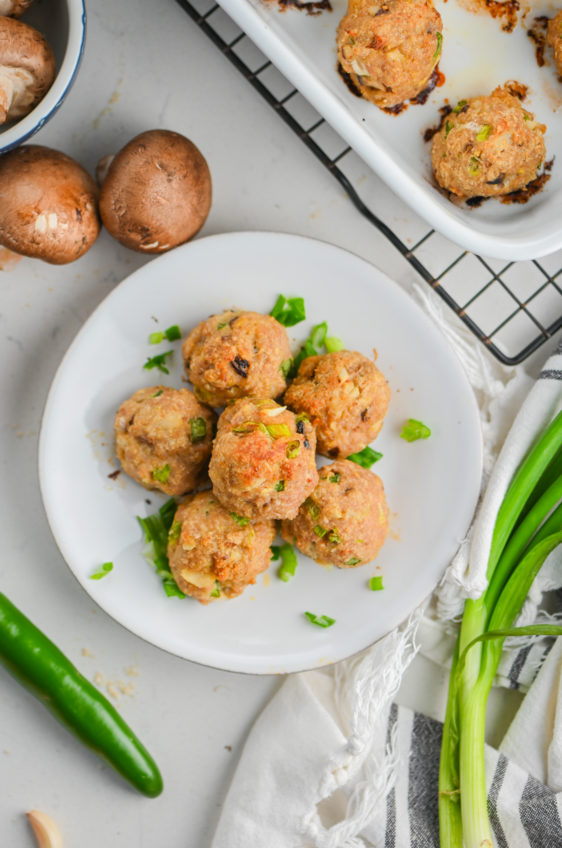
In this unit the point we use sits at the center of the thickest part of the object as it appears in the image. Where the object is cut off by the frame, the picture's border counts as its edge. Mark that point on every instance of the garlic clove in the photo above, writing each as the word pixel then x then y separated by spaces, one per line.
pixel 46 831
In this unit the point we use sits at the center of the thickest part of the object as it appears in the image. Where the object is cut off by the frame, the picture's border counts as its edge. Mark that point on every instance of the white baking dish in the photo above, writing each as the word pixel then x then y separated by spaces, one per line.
pixel 477 56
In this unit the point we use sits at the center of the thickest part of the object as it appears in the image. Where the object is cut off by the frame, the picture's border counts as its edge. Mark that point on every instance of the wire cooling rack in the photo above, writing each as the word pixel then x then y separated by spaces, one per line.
pixel 512 307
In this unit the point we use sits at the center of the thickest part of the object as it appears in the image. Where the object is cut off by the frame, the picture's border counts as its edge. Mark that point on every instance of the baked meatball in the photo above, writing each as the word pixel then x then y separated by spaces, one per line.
pixel 263 463
pixel 488 146
pixel 390 48
pixel 163 438
pixel 345 520
pixel 214 553
pixel 345 397
pixel 237 354
pixel 554 38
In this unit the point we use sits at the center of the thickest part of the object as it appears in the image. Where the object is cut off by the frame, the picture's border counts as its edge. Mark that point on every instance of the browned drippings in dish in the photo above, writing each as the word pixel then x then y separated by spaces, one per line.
pixel 523 195
pixel 431 131
pixel 537 33
pixel 508 9
pixel 517 89
pixel 315 7
pixel 436 80
pixel 348 80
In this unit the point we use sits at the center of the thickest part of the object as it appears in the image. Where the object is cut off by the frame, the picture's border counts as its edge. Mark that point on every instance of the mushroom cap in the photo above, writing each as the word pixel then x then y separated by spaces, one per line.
pixel 14 7
pixel 157 192
pixel 27 68
pixel 48 205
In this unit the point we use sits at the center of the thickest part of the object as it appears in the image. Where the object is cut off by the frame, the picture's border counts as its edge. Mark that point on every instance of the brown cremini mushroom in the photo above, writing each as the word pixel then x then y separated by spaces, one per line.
pixel 156 193
pixel 27 68
pixel 14 7
pixel 48 205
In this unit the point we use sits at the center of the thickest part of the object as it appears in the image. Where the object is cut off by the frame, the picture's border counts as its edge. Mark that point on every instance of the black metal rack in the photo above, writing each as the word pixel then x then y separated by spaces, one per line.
pixel 512 307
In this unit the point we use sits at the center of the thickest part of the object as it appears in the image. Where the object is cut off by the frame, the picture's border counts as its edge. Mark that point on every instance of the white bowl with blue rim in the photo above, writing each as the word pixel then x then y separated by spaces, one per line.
pixel 63 24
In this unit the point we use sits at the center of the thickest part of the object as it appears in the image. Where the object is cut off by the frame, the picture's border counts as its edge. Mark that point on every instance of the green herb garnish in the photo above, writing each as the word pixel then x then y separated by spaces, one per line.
pixel 484 132
pixel 352 561
pixel 366 457
pixel 335 477
pixel 289 310
pixel 175 531
pixel 216 593
pixel 156 528
pixel 439 45
pixel 460 105
pixel 275 551
pixel 318 334
pixel 320 620
pixel 375 583
pixel 161 474
pixel 334 537
pixel 285 367
pixel 414 430
pixel 279 486
pixel 239 519
pixel 158 361
pixel 293 449
pixel 102 571
pixel 158 393
pixel 312 508
pixel 474 166
pixel 320 531
pixel 448 127
pixel 288 563
pixel 198 429
pixel 333 344
pixel 172 334
pixel 278 431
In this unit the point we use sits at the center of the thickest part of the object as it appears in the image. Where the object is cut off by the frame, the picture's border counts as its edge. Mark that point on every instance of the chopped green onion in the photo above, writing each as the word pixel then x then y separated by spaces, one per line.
pixel 156 528
pixel 460 105
pixel 288 562
pixel 216 593
pixel 318 335
pixel 240 519
pixel 158 393
pixel 320 620
pixel 335 477
pixel 352 561
pixel 414 430
pixel 285 367
pixel 483 132
pixel 173 333
pixel 334 537
pixel 448 127
pixel 306 350
pixel 275 551
pixel 289 310
pixel 279 486
pixel 293 449
pixel 278 431
pixel 102 571
pixel 249 427
pixel 474 166
pixel 158 362
pixel 161 474
pixel 375 583
pixel 175 531
pixel 198 429
pixel 302 416
pixel 156 338
pixel 366 457
pixel 439 45
pixel 333 344
pixel 312 508
pixel 320 531
pixel 221 325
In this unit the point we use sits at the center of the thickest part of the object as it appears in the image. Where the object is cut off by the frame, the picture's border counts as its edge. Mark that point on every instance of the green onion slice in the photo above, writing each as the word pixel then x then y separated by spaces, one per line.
pixel 216 593
pixel 158 361
pixel 320 620
pixel 275 551
pixel 333 344
pixel 448 127
pixel 320 531
pixel 278 431
pixel 161 474
pixel 175 531
pixel 460 105
pixel 198 429
pixel 414 430
pixel 293 449
pixel 376 584
pixel 335 477
pixel 156 529
pixel 102 571
pixel 352 561
pixel 318 335
pixel 289 310
pixel 439 46
pixel 484 132
pixel 156 338
pixel 334 537
pixel 286 367
pixel 366 457
pixel 288 562
pixel 240 519
pixel 279 486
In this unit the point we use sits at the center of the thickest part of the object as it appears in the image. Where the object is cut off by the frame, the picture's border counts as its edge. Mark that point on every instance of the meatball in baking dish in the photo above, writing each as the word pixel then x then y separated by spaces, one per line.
pixel 263 462
pixel 344 522
pixel 163 438
pixel 346 398
pixel 213 553
pixel 554 38
pixel 488 146
pixel 389 48
pixel 237 354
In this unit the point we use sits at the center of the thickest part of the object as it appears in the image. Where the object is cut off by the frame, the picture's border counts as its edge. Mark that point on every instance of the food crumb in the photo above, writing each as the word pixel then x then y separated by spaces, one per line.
pixel 99 679
pixel 86 652
pixel 112 690
pixel 228 747
pixel 132 671
pixel 126 688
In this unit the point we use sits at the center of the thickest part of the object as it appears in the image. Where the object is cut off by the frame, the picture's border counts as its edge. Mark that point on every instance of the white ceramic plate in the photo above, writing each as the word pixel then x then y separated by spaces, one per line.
pixel 477 56
pixel 431 485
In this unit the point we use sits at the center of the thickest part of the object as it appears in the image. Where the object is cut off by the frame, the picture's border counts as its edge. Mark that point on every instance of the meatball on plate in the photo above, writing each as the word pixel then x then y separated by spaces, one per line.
pixel 263 463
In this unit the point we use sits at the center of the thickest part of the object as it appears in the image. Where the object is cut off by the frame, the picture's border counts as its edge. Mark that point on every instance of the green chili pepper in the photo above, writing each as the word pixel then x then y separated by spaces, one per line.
pixel 43 669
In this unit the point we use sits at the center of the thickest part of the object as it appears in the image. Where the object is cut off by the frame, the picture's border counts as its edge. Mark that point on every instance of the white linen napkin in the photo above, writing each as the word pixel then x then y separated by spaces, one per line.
pixel 330 763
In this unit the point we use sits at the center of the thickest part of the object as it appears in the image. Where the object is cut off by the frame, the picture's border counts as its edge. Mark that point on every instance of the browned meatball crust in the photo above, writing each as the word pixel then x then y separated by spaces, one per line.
pixel 554 38
pixel 163 438
pixel 390 48
pixel 237 354
pixel 263 462
pixel 213 553
pixel 346 398
pixel 345 520
pixel 488 146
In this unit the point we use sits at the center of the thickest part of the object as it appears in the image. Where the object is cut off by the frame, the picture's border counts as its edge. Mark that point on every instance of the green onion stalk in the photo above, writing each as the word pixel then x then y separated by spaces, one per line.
pixel 528 527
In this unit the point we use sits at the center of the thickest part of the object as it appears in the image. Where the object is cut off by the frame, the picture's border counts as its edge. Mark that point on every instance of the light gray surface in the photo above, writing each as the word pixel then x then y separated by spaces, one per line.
pixel 146 65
